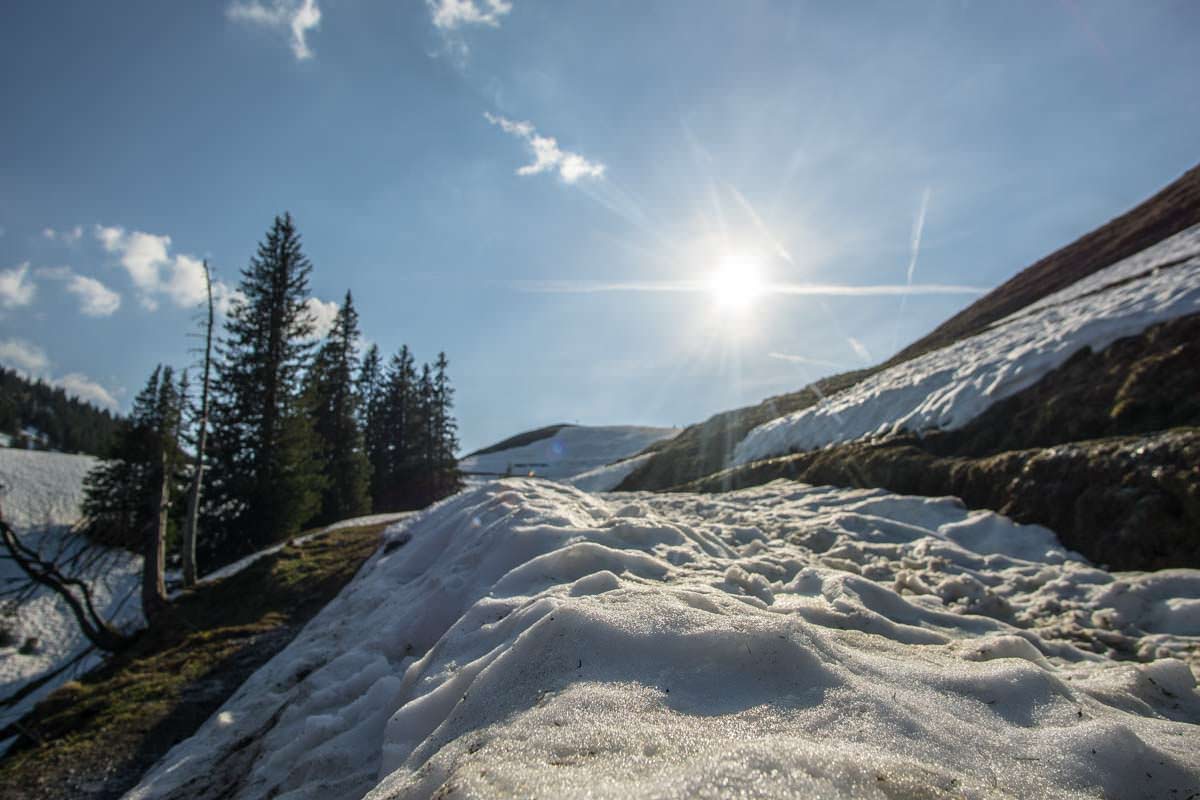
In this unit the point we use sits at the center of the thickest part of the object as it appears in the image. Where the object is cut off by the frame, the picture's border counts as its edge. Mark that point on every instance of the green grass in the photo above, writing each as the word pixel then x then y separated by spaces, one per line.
pixel 96 736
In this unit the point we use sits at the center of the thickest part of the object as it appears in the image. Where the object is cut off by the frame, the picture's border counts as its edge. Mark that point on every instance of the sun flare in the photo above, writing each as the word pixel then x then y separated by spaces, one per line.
pixel 737 282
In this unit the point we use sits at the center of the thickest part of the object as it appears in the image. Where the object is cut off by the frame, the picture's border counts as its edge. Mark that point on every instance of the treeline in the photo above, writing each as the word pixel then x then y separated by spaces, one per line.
pixel 293 432
pixel 64 423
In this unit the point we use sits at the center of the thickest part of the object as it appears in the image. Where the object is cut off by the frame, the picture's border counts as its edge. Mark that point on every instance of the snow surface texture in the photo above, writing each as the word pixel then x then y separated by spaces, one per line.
pixel 571 451
pixel 42 500
pixel 947 388
pixel 608 477
pixel 528 639
pixel 42 489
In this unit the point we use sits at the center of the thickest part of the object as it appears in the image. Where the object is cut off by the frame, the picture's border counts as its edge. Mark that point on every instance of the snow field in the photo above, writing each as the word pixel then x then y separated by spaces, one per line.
pixel 947 388
pixel 573 450
pixel 527 639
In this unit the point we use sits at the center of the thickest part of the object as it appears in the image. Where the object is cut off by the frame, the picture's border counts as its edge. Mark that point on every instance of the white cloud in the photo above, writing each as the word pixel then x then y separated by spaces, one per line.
pixel 79 385
pixel 23 355
pixel 16 289
pixel 95 299
pixel 70 236
pixel 449 15
pixel 294 17
pixel 547 155
pixel 31 361
pixel 157 273
pixel 322 313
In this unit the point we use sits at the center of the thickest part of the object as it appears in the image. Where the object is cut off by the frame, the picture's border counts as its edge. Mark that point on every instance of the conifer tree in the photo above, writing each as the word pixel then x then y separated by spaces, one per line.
pixel 335 407
pixel 128 499
pixel 371 393
pixel 448 478
pixel 397 431
pixel 265 481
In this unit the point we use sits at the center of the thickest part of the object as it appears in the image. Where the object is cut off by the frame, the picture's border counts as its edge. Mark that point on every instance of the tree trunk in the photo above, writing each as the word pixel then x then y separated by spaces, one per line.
pixel 193 505
pixel 154 552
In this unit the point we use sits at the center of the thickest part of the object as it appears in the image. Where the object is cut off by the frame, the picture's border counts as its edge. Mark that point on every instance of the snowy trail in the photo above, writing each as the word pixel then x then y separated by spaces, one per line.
pixel 947 388
pixel 527 639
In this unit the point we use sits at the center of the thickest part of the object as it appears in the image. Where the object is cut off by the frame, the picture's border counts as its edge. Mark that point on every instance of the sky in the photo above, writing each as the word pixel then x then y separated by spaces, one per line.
pixel 605 212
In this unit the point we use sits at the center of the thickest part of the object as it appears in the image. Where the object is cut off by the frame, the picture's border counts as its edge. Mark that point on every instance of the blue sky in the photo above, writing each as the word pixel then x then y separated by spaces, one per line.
pixel 545 189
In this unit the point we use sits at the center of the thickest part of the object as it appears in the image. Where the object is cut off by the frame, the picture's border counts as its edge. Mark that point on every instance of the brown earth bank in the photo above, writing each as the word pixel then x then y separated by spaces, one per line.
pixel 1103 450
pixel 94 738
pixel 1128 502
pixel 706 447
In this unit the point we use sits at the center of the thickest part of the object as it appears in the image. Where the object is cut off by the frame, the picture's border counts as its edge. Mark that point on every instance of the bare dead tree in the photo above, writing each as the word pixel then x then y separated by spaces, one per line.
pixel 191 519
pixel 53 571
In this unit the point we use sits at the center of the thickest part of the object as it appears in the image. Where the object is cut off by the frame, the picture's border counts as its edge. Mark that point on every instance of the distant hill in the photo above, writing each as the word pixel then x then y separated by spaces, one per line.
pixel 562 451
pixel 43 417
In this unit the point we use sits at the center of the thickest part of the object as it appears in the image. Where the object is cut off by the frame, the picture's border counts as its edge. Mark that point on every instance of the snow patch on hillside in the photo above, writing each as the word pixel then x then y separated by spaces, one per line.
pixel 527 639
pixel 572 450
pixel 608 477
pixel 42 501
pixel 947 388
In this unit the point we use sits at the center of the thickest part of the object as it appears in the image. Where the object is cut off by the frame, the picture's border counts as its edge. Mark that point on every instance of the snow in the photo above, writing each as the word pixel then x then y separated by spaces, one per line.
pixel 573 450
pixel 528 639
pixel 947 388
pixel 41 502
pixel 42 488
pixel 608 477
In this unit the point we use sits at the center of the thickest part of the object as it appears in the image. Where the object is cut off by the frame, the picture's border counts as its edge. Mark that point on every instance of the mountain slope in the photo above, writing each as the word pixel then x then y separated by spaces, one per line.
pixel 708 447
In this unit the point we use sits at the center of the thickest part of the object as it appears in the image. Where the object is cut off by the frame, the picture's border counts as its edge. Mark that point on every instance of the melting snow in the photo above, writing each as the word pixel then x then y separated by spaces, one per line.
pixel 947 388
pixel 527 639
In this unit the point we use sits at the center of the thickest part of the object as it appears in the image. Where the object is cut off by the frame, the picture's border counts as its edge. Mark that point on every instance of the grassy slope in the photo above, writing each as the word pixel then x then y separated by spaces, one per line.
pixel 521 439
pixel 704 448
pixel 95 737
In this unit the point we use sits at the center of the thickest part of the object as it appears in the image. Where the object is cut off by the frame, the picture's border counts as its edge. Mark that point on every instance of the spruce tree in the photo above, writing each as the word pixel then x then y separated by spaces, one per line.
pixel 129 499
pixel 335 410
pixel 448 479
pixel 397 435
pixel 371 393
pixel 265 480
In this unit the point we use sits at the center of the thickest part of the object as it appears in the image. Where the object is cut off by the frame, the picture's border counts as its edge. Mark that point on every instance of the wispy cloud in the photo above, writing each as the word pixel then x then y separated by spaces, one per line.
pixel 295 18
pixel 79 385
pixel 860 350
pixel 157 274
pixel 23 355
pixel 689 287
pixel 95 299
pixel 450 15
pixel 16 288
pixel 547 155
pixel 69 236
pixel 816 362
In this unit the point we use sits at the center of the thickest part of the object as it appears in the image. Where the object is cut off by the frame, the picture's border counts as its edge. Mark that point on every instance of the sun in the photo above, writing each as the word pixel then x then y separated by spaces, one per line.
pixel 737 282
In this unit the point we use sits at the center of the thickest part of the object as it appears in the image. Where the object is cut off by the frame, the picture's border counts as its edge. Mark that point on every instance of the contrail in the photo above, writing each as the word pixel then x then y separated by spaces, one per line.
pixel 914 251
pixel 699 287
pixel 806 360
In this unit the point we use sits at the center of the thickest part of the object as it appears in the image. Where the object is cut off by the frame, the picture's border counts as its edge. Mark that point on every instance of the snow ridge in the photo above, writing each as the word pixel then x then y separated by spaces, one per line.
pixel 525 638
